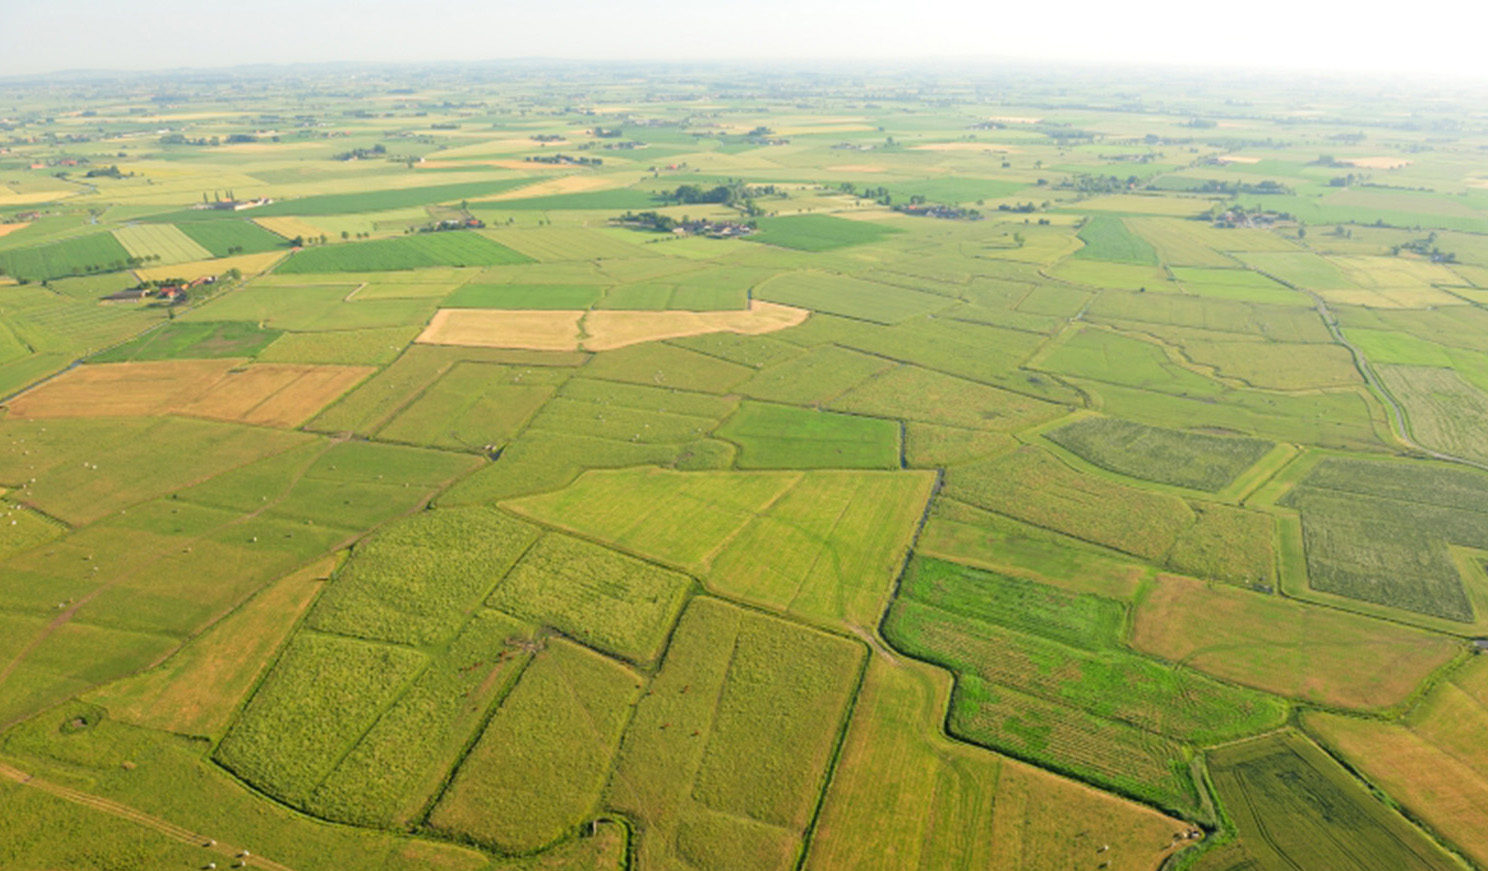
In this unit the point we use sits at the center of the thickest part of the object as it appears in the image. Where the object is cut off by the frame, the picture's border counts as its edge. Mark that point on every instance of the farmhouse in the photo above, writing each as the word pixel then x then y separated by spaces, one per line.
pixel 233 205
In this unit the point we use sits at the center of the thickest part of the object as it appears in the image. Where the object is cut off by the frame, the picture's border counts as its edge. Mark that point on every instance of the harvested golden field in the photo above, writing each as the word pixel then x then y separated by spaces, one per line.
pixel 1316 654
pixel 268 394
pixel 497 328
pixel 7 229
pixel 601 330
pixel 615 329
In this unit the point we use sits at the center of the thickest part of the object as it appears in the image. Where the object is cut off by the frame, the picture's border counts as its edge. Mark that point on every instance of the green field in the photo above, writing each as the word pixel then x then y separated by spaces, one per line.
pixel 226 238
pixel 461 248
pixel 99 252
pixel 818 232
pixel 1107 238
pixel 194 340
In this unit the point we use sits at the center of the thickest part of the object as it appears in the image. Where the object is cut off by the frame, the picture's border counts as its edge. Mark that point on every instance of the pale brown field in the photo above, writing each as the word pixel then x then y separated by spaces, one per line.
pixel 196 691
pixel 268 394
pixel 1014 119
pixel 7 229
pixel 275 394
pixel 603 330
pixel 568 184
pixel 855 167
pixel 1316 654
pixel 1237 158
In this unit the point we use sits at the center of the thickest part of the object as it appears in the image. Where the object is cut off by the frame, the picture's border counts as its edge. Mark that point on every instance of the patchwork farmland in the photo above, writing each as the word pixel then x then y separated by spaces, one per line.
pixel 621 477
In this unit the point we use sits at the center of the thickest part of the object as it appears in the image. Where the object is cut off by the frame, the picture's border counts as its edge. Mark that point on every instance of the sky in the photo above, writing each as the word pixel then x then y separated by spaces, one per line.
pixel 1442 39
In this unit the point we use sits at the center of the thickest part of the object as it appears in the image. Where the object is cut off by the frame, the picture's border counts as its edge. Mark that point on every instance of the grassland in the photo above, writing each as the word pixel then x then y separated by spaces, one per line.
pixel 1107 238
pixel 559 545
pixel 413 584
pixel 604 599
pixel 729 779
pixel 539 766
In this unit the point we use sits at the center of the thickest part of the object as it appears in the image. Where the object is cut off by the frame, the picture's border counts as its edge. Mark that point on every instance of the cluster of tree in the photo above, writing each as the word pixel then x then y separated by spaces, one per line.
pixel 546 137
pixel 918 206
pixel 1426 248
pixel 377 150
pixel 1215 186
pixel 183 139
pixel 1098 184
pixel 1021 208
pixel 104 172
pixel 649 221
pixel 563 159
pixel 607 132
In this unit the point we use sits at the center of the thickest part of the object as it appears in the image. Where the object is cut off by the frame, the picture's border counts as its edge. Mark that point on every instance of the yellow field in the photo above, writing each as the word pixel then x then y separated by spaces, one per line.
pixel 906 796
pixel 248 264
pixel 11 199
pixel 599 330
pixel 196 691
pixel 288 227
pixel 270 394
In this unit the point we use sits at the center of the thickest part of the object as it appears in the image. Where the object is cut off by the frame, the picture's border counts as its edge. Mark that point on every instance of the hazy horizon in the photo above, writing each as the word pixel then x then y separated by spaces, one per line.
pixel 162 35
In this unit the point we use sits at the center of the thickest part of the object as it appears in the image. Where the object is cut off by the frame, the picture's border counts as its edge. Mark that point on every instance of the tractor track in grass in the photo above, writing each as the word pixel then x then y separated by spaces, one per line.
pixel 125 812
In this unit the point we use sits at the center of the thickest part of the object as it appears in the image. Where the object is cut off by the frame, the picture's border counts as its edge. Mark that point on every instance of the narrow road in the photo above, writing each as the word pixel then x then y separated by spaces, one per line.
pixel 125 812
pixel 1397 417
